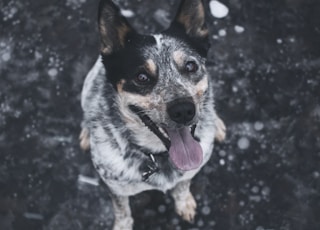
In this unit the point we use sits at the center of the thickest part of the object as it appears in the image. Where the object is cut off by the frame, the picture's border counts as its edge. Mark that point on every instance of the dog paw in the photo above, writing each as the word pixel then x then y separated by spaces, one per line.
pixel 84 139
pixel 220 130
pixel 123 224
pixel 186 208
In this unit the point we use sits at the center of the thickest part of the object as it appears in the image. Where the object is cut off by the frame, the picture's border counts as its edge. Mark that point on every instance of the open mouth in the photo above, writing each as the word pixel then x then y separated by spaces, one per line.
pixel 184 148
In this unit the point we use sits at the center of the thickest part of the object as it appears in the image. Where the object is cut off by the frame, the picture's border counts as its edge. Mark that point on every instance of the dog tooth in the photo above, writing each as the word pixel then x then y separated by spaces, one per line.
pixel 164 133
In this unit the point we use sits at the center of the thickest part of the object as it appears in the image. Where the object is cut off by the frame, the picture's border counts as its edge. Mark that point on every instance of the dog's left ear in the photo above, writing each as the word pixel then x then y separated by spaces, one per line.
pixel 191 15
pixel 113 27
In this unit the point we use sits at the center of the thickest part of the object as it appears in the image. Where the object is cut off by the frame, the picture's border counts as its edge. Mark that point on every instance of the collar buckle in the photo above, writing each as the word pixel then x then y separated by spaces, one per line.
pixel 152 168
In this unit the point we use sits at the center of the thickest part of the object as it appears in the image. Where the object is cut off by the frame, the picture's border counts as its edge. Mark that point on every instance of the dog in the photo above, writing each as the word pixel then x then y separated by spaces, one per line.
pixel 148 104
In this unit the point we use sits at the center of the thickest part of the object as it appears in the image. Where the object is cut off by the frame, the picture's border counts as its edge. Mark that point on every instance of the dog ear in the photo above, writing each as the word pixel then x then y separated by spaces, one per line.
pixel 191 15
pixel 113 27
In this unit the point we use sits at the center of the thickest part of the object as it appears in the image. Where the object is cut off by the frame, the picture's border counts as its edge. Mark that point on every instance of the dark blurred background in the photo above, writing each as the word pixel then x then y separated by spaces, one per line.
pixel 265 62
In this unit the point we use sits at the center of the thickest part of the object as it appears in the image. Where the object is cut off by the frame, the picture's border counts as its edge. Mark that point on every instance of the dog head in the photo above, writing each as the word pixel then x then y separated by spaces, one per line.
pixel 161 78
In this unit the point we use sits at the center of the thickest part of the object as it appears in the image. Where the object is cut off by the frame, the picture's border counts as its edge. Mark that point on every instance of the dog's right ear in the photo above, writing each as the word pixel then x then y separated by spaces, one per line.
pixel 113 27
pixel 191 15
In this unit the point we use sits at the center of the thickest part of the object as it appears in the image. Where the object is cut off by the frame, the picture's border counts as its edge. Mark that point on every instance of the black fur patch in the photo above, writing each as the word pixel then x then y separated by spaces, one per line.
pixel 127 62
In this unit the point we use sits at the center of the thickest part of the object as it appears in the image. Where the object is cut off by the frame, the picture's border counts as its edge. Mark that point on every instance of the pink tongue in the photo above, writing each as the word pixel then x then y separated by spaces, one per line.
pixel 185 152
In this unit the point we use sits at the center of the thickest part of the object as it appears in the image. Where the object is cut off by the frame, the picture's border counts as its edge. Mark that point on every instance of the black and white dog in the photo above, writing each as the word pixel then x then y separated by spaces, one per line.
pixel 148 106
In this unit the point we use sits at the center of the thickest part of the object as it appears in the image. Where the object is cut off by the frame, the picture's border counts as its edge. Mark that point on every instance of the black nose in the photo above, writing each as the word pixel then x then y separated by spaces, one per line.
pixel 181 112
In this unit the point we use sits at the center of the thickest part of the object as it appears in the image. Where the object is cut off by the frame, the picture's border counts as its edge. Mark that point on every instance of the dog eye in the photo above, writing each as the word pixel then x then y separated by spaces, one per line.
pixel 191 67
pixel 142 79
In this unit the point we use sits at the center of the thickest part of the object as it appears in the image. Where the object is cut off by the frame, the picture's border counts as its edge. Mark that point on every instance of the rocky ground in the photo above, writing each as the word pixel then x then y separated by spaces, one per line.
pixel 265 62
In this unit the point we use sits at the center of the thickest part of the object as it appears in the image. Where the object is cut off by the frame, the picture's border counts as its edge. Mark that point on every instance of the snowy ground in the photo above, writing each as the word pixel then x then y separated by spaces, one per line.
pixel 265 61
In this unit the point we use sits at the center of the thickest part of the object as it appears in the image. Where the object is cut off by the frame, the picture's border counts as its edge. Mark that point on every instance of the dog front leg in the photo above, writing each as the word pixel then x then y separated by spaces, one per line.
pixel 185 204
pixel 122 213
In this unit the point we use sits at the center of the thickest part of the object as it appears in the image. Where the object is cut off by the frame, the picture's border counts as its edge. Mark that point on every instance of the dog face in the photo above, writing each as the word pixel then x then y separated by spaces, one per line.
pixel 163 74
pixel 161 77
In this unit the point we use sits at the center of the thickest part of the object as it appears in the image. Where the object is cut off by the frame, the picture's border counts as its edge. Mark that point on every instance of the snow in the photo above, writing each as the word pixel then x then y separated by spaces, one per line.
pixel 5 51
pixel 258 126
pixel 222 32
pixel 205 210
pixel 238 29
pixel 231 157
pixel 127 13
pixel 33 216
pixel 75 4
pixel 255 189
pixel 6 56
pixel 88 180
pixel 243 143
pixel 200 223
pixel 255 198
pixel 53 72
pixel 38 55
pixel 222 162
pixel 265 191
pixel 222 153
pixel 175 221
pixel 9 11
pixel 292 39
pixel 279 41
pixel 242 203
pixel 218 9
pixel 215 37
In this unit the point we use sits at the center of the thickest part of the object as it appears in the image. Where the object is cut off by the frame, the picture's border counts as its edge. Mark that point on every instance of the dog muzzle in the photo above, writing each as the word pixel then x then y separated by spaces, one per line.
pixel 183 147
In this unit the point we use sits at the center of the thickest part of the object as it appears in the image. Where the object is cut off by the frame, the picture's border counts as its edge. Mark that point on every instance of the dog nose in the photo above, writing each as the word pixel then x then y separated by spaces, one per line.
pixel 181 112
